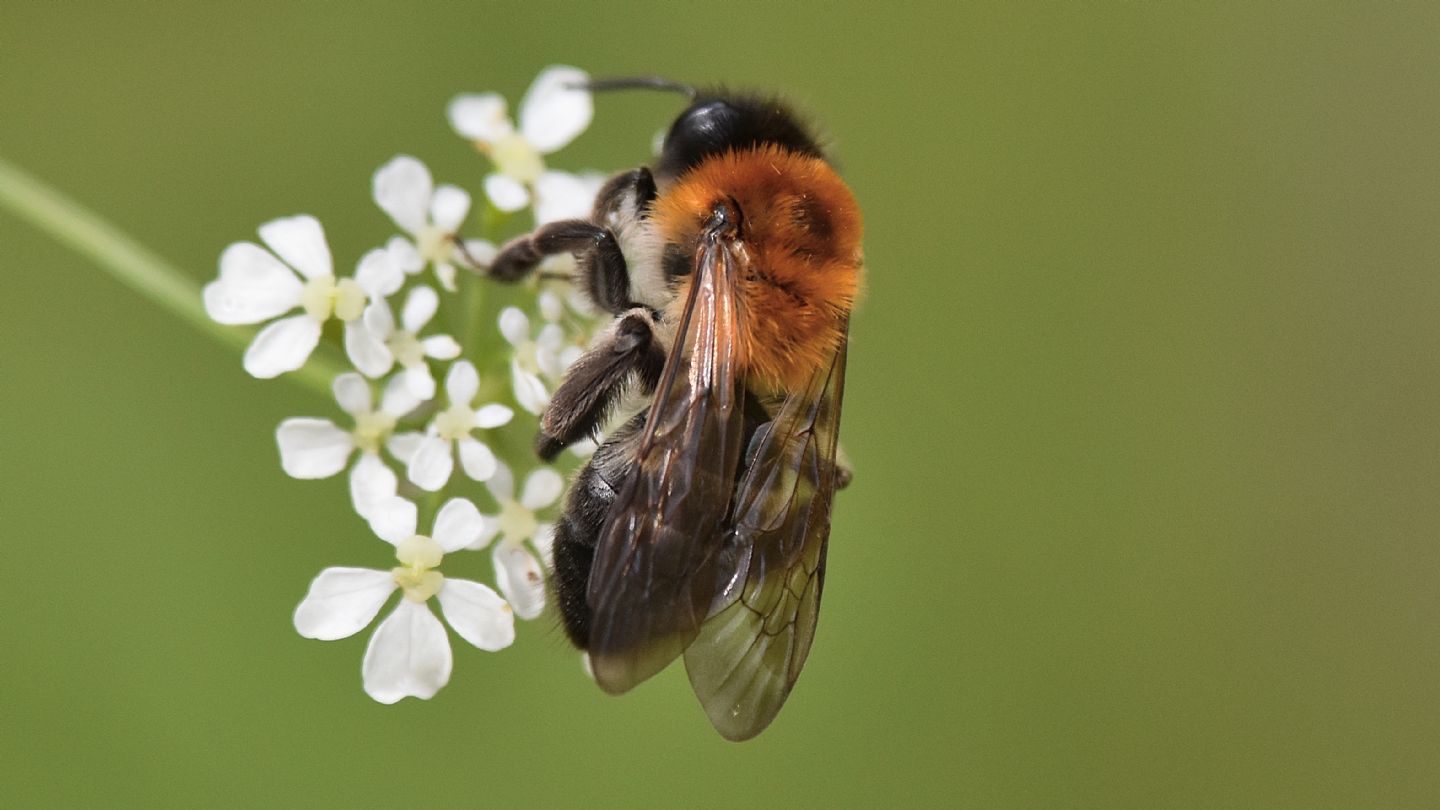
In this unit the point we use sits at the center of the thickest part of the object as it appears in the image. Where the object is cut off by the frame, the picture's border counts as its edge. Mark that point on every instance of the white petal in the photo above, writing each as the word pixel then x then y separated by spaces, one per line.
pixel 551 337
pixel 476 458
pixel 378 274
pixel 371 482
pixel 420 306
pixel 398 399
pixel 562 195
pixel 502 483
pixel 379 319
pixel 405 255
pixel 481 251
pixel 445 272
pixel 493 416
pixel 341 601
pixel 529 390
pixel 514 325
pixel 489 527
pixel 544 541
pixel 551 307
pixel 253 286
pixel 568 356
pixel 352 392
pixel 448 207
pixel 458 525
pixel 366 350
pixel 419 382
pixel 282 346
pixel 542 488
pixel 409 655
pixel 392 519
pixel 402 189
pixel 506 193
pixel 479 116
pixel 520 578
pixel 556 108
pixel 431 465
pixel 441 347
pixel 312 448
pixel 462 383
pixel 477 614
pixel 403 445
pixel 300 241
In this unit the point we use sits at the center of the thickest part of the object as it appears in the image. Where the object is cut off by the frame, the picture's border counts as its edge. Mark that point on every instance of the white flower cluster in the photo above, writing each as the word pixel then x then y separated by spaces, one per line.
pixel 402 452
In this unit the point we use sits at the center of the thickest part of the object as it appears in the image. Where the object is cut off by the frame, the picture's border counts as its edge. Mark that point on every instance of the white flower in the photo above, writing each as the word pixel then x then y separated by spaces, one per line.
pixel 537 360
pixel 450 432
pixel 318 448
pixel 256 285
pixel 561 195
pixel 380 345
pixel 409 654
pixel 555 110
pixel 404 190
pixel 518 573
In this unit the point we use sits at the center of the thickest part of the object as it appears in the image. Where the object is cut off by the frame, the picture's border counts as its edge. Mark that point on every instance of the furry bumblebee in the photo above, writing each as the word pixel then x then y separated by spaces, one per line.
pixel 700 525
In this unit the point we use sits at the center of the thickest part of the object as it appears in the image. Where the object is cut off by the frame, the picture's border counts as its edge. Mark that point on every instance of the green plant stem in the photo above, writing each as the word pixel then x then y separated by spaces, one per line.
pixel 130 263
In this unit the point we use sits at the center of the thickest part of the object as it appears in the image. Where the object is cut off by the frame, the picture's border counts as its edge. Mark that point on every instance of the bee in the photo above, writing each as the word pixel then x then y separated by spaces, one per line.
pixel 699 526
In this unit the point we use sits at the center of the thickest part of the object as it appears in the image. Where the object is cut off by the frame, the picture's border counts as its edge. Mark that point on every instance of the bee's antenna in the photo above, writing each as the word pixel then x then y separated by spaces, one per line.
pixel 640 83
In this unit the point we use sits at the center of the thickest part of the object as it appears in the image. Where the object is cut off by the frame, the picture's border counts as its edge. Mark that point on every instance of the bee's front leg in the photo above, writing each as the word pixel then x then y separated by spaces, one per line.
pixel 620 207
pixel 628 353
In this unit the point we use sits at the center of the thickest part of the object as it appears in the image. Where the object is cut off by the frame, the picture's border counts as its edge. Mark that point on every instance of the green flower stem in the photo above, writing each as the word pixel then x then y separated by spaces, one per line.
pixel 131 263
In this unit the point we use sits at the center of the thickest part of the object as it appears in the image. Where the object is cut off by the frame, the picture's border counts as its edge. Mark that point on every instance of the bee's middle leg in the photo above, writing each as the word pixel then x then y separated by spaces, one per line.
pixel 627 356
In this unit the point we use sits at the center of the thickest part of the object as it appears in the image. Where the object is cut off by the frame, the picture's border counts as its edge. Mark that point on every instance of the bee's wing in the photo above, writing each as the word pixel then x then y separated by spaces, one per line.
pixel 749 652
pixel 656 571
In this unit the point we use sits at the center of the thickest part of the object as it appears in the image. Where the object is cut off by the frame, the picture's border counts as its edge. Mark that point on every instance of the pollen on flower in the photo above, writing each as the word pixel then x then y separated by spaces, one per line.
pixel 325 295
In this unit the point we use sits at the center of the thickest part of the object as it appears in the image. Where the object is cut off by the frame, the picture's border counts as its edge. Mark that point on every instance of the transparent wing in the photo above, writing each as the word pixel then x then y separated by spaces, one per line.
pixel 655 574
pixel 745 659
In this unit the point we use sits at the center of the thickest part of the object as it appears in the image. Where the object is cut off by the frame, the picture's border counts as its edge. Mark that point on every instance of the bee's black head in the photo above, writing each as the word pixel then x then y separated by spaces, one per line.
pixel 719 122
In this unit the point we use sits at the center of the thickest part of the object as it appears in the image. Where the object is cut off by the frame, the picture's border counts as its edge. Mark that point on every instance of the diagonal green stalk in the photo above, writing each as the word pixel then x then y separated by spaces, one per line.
pixel 130 263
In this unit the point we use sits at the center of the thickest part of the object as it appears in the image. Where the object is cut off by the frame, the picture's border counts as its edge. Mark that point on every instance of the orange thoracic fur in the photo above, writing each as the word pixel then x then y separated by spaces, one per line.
pixel 801 230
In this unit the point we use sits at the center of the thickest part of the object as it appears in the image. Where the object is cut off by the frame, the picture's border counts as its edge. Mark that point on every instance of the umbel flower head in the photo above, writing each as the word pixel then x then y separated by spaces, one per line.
pixel 409 654
pixel 401 435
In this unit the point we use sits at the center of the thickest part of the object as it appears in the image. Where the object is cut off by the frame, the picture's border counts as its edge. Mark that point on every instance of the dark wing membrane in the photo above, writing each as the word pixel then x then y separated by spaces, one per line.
pixel 655 572
pixel 750 651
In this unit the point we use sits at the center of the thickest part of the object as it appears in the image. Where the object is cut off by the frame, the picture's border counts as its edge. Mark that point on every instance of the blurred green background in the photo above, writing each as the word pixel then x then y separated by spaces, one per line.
pixel 1143 402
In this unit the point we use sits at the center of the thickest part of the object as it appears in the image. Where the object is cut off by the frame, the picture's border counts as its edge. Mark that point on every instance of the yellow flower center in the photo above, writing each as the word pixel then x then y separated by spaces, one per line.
pixel 455 423
pixel 371 430
pixel 514 156
pixel 406 348
pixel 325 296
pixel 416 576
pixel 516 522
pixel 525 356
pixel 434 245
